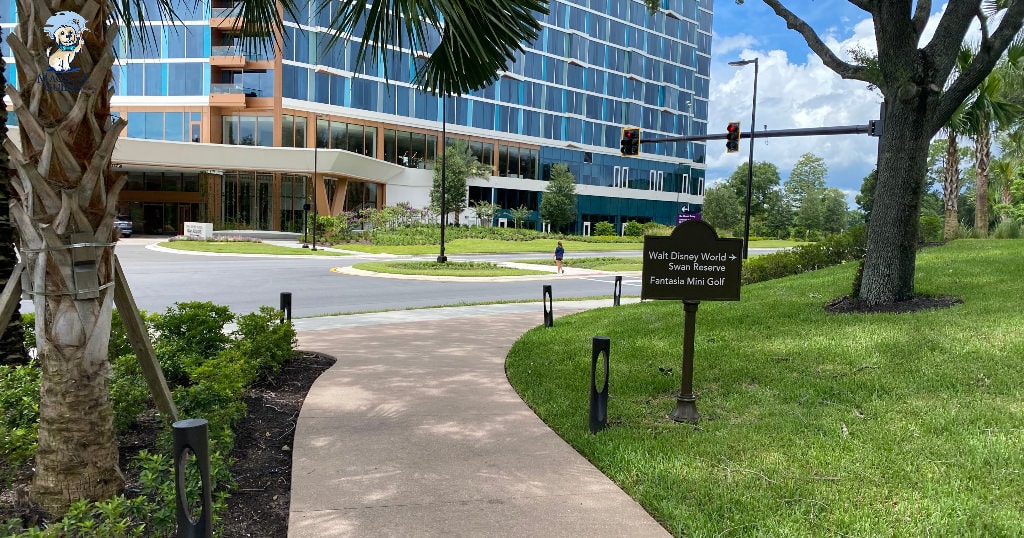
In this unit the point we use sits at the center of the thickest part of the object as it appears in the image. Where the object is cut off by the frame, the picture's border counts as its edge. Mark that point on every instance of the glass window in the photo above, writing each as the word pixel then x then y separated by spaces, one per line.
pixel 355 141
pixel 229 131
pixel 338 135
pixel 322 131
pixel 247 130
pixel 389 146
pixel 370 141
pixel 136 125
pixel 300 131
pixel 185 78
pixel 265 131
pixel 154 125
pixel 287 131
pixel 174 36
pixel 154 79
pixel 174 126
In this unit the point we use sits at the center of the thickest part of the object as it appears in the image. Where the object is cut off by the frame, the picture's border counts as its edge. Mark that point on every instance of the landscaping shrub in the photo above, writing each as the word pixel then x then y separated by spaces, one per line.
pixel 833 250
pixel 207 371
pixel 1007 229
pixel 633 229
pixel 653 228
pixel 187 334
pixel 19 413
pixel 604 229
pixel 929 229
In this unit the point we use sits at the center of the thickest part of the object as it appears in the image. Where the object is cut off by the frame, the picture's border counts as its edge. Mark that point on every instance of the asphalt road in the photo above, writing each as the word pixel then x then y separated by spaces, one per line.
pixel 160 279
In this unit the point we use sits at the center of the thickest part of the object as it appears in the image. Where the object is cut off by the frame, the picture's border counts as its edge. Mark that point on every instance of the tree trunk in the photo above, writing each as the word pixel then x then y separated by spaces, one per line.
pixel 892 236
pixel 951 186
pixel 65 186
pixel 983 155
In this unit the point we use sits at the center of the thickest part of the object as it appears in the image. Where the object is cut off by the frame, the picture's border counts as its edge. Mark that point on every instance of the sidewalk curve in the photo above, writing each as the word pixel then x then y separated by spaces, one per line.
pixel 415 431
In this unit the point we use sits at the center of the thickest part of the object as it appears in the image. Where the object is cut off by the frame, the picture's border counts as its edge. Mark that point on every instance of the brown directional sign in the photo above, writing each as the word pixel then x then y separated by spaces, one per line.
pixel 692 264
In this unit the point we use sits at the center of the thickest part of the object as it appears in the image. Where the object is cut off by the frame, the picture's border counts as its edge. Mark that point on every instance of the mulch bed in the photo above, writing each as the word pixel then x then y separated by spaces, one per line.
pixel 259 504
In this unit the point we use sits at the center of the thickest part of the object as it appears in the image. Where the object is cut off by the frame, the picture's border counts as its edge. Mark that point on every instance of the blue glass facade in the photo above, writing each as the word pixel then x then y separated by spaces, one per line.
pixel 595 67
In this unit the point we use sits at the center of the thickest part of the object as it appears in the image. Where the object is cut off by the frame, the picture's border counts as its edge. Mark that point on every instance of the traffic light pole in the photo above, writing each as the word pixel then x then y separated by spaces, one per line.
pixel 873 128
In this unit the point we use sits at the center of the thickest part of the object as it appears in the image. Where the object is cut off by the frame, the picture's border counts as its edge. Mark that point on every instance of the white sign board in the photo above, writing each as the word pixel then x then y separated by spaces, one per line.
pixel 199 230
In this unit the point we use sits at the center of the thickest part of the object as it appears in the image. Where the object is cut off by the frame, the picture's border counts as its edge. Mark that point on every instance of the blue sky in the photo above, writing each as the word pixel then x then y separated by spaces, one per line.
pixel 794 89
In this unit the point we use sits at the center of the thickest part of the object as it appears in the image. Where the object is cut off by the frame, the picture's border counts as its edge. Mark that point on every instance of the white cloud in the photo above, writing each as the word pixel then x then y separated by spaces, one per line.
pixel 800 92
pixel 791 96
pixel 727 44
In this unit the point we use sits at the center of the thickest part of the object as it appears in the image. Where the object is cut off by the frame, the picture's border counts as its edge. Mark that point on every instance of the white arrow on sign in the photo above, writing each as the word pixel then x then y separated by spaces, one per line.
pixel 732 256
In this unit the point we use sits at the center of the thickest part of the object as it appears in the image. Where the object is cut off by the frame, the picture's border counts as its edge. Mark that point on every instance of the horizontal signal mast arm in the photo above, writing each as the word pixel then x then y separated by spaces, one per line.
pixel 810 131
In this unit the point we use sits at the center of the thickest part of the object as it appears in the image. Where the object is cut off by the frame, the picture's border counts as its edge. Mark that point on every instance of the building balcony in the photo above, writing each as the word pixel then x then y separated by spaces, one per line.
pixel 224 18
pixel 233 56
pixel 227 56
pixel 229 95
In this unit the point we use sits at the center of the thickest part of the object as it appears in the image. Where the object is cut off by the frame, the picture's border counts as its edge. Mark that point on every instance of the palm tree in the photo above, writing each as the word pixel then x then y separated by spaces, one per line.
pixel 987 107
pixel 65 192
pixel 951 180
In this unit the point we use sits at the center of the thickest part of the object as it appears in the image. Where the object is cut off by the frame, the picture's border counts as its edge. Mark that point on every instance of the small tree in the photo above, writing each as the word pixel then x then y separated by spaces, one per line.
pixel 559 203
pixel 520 215
pixel 485 211
pixel 458 164
pixel 721 208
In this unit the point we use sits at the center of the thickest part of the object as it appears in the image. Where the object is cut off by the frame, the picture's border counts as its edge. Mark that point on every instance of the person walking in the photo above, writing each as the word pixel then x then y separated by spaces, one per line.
pixel 559 254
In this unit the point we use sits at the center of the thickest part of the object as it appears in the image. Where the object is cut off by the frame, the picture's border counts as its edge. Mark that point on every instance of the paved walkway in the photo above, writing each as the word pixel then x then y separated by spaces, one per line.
pixel 415 431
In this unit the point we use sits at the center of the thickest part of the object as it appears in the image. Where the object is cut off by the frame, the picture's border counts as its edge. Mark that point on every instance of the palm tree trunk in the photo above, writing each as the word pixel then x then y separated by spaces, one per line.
pixel 951 186
pixel 12 340
pixel 64 186
pixel 983 154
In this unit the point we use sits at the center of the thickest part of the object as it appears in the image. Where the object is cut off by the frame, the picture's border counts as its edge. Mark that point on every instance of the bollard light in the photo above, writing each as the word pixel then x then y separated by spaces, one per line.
pixel 599 398
pixel 549 315
pixel 192 435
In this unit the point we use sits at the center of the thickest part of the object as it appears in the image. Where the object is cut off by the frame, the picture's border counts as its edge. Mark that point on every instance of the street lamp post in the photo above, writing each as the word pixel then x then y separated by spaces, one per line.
pixel 316 145
pixel 441 258
pixel 750 158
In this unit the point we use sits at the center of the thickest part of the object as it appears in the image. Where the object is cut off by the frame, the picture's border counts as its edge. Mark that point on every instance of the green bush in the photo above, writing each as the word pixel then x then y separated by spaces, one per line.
pixel 19 412
pixel 653 228
pixel 833 250
pixel 1007 229
pixel 266 343
pixel 208 372
pixel 604 229
pixel 929 229
pixel 187 334
pixel 633 229
pixel 129 393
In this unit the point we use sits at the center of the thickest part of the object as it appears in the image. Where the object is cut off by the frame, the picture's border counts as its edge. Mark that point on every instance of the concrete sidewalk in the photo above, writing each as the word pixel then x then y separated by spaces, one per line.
pixel 415 431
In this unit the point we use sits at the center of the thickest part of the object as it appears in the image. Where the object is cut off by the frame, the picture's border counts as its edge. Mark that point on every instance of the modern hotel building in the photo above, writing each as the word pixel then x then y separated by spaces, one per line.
pixel 218 135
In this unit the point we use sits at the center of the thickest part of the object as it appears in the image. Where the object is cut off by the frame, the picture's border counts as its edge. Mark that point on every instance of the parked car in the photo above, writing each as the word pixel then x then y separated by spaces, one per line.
pixel 124 223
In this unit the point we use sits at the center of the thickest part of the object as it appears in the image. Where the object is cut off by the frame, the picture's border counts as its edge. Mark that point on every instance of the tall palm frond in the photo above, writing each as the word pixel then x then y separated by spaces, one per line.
pixel 469 43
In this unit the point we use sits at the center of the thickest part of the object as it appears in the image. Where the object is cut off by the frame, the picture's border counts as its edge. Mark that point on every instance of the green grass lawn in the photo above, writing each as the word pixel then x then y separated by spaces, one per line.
pixel 492 246
pixel 244 247
pixel 607 263
pixel 463 269
pixel 812 424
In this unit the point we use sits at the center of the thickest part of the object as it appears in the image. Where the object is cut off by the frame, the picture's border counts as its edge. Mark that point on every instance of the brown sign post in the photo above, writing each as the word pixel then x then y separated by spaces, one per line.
pixel 691 265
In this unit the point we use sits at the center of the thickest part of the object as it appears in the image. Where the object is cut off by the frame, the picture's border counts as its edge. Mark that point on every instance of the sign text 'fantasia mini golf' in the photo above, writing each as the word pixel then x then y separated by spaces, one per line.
pixel 691 265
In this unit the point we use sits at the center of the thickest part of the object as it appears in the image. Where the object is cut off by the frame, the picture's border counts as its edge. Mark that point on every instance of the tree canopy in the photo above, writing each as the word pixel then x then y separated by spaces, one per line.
pixel 558 206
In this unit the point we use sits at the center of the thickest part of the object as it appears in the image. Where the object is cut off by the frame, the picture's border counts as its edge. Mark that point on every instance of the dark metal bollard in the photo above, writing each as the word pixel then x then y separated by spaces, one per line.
pixel 192 435
pixel 549 315
pixel 599 399
pixel 617 294
pixel 286 306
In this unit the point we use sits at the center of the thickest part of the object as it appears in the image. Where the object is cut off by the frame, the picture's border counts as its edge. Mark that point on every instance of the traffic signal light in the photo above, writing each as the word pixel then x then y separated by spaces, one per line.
pixel 630 141
pixel 732 137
